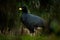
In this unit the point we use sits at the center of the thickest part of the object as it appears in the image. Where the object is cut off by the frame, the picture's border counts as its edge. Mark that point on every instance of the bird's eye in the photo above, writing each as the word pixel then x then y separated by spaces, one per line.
pixel 20 8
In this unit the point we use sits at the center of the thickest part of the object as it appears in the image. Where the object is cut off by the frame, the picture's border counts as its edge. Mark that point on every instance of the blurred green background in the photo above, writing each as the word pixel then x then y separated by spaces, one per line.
pixel 47 9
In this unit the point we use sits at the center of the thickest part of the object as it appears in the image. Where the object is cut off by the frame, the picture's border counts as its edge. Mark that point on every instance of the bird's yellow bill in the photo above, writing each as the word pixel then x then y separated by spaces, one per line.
pixel 20 8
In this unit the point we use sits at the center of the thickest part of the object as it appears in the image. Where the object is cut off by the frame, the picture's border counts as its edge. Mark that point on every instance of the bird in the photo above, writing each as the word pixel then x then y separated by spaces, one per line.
pixel 31 21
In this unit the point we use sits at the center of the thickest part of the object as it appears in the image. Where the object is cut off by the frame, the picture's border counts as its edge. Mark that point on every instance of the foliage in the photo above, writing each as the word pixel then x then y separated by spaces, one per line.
pixel 49 10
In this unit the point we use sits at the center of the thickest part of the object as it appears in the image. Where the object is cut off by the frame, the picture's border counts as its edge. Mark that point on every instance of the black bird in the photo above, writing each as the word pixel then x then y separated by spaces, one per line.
pixel 31 21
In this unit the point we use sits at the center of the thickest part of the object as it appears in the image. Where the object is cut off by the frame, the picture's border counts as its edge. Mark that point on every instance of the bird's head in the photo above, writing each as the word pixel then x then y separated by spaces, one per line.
pixel 24 9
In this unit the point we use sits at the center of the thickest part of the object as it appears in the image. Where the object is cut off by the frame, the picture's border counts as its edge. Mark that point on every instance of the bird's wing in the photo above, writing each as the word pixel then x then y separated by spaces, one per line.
pixel 32 19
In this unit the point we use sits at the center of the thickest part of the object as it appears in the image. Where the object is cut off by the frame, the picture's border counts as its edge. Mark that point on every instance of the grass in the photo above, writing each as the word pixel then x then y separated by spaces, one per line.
pixel 28 37
pixel 49 37
pixel 37 37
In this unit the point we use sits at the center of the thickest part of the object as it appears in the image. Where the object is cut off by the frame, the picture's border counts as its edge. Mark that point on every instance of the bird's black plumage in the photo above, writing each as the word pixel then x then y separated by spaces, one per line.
pixel 24 9
pixel 31 21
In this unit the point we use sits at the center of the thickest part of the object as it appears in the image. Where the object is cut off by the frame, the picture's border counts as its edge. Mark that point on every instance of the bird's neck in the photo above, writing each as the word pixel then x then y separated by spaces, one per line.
pixel 25 12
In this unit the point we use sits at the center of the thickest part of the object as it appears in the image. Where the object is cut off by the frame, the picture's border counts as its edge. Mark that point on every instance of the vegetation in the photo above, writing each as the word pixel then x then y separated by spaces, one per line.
pixel 47 9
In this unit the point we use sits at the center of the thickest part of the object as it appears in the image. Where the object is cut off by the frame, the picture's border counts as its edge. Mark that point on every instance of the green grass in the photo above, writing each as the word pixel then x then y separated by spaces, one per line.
pixel 28 37
pixel 54 24
pixel 37 37
pixel 49 37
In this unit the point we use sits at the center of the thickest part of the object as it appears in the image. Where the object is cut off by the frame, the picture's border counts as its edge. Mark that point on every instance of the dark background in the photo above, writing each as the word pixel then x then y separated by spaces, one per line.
pixel 10 17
